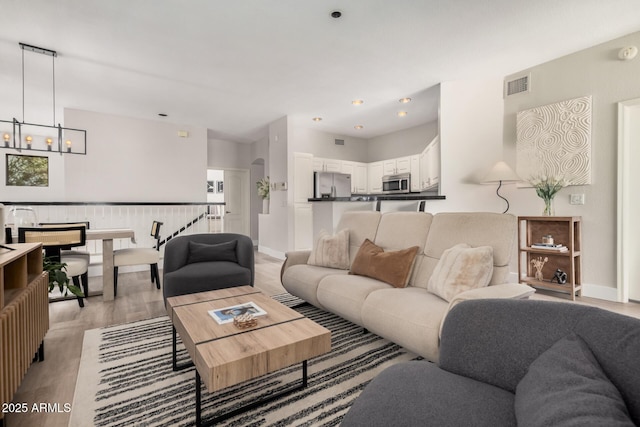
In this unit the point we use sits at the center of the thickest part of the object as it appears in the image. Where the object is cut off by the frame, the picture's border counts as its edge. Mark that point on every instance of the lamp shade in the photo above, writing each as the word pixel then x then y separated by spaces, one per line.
pixel 501 172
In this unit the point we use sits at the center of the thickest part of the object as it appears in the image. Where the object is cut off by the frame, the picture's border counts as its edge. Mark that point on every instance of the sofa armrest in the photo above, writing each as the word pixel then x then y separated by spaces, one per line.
pixel 503 291
pixel 294 258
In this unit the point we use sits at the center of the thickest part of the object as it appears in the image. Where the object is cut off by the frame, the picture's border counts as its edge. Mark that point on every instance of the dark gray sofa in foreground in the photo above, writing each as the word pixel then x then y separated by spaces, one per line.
pixel 204 262
pixel 515 362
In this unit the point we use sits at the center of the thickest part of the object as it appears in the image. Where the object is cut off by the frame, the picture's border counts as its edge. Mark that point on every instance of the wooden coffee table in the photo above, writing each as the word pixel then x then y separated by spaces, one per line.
pixel 225 355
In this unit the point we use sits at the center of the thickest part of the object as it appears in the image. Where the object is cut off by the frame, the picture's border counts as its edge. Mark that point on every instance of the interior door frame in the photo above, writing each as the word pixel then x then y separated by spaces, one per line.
pixel 247 202
pixel 625 111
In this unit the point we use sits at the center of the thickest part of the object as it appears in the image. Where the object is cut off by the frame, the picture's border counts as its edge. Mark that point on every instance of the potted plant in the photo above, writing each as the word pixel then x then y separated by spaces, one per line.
pixel 58 276
pixel 263 192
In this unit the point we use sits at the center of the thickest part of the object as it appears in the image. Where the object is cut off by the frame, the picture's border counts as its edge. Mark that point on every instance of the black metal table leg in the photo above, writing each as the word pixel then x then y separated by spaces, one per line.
pixel 174 356
pixel 208 423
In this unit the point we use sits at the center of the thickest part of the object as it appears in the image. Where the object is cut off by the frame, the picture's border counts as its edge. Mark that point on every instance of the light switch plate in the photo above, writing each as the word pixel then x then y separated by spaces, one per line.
pixel 576 199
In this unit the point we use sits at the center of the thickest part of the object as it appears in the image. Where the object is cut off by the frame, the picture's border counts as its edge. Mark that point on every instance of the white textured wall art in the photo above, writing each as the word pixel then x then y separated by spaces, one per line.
pixel 555 140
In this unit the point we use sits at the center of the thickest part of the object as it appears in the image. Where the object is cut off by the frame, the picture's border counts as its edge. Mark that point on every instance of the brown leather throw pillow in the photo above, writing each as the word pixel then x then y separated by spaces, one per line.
pixel 392 267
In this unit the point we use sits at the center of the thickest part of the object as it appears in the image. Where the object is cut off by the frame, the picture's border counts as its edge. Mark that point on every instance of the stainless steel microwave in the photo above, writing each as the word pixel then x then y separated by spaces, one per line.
pixel 400 183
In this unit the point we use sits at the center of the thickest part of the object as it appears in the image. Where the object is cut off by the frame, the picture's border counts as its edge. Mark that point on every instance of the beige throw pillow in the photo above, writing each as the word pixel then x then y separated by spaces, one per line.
pixel 331 251
pixel 461 268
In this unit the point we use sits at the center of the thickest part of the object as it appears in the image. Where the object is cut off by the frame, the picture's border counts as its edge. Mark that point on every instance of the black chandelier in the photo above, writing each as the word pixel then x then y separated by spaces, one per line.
pixel 39 137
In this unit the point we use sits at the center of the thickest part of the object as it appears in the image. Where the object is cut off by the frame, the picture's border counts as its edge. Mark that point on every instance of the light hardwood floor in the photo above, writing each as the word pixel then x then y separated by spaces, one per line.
pixel 54 379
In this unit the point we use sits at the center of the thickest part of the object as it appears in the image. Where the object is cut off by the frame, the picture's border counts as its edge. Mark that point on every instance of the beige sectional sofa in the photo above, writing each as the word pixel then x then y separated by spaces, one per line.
pixel 411 316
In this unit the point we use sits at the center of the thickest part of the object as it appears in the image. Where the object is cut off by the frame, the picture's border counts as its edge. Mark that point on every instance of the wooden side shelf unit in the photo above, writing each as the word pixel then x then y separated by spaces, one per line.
pixel 24 314
pixel 565 230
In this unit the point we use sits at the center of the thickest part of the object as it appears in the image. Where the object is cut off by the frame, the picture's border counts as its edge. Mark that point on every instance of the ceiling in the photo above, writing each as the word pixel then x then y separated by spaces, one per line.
pixel 235 66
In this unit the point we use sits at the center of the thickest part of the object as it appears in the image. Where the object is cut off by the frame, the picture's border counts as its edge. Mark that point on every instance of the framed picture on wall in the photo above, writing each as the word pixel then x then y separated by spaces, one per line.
pixel 27 171
pixel 211 187
pixel 220 187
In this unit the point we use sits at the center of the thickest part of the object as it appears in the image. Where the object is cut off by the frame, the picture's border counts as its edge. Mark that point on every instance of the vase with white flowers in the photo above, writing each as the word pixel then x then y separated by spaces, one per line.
pixel 546 188
pixel 263 191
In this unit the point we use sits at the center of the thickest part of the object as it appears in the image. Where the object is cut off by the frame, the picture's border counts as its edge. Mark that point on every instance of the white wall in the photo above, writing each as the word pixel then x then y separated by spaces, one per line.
pixel 135 160
pixel 223 154
pixel 322 144
pixel 402 143
pixel 596 71
pixel 471 114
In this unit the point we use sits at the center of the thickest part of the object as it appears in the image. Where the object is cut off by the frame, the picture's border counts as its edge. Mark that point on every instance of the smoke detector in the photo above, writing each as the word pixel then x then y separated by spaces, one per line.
pixel 627 53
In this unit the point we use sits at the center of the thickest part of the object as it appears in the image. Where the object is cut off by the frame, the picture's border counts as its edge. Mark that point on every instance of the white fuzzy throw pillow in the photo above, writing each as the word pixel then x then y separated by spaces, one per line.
pixel 461 268
pixel 331 251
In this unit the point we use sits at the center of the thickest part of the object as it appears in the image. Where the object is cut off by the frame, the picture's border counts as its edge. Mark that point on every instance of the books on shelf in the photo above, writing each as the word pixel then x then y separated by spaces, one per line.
pixel 550 247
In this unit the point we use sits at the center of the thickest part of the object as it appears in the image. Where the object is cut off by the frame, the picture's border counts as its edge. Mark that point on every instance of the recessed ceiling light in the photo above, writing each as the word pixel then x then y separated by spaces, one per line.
pixel 336 14
pixel 317 119
pixel 358 127
pixel 357 102
pixel 404 100
pixel 402 113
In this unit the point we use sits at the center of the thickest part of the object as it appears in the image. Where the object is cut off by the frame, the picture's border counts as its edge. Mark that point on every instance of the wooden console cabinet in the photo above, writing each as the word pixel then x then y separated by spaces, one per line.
pixel 566 230
pixel 24 314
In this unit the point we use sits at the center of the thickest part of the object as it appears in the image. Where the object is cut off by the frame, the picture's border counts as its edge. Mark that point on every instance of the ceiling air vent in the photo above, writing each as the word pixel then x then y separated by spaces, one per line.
pixel 339 141
pixel 519 85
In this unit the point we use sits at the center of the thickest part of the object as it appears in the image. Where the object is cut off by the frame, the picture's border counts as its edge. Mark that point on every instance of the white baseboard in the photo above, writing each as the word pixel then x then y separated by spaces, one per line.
pixel 271 252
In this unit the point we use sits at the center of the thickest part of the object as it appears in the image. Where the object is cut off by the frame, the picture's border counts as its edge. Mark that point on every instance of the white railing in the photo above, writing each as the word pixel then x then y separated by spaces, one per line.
pixel 176 217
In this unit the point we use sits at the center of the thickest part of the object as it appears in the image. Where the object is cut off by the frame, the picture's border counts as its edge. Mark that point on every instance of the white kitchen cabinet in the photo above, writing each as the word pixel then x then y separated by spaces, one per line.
pixel 303 177
pixel 358 172
pixel 415 174
pixel 359 178
pixel 375 171
pixel 326 165
pixel 430 165
pixel 397 166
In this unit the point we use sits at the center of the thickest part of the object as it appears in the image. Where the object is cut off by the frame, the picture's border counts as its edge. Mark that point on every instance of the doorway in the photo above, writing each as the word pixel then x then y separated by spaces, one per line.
pixel 231 187
pixel 628 205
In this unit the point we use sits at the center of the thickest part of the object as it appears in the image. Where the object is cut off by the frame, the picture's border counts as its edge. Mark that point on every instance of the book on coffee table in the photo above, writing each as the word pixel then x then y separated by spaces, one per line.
pixel 226 314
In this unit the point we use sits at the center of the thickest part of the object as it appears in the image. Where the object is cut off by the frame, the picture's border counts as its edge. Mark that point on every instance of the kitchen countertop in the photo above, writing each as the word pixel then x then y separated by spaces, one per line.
pixel 379 197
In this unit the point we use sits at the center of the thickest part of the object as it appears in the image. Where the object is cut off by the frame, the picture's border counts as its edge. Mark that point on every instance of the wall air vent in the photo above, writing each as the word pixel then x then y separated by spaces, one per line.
pixel 339 141
pixel 519 85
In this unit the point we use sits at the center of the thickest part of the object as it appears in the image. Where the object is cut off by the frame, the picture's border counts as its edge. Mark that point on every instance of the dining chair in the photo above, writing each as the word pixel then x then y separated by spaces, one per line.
pixel 57 239
pixel 139 256
pixel 71 253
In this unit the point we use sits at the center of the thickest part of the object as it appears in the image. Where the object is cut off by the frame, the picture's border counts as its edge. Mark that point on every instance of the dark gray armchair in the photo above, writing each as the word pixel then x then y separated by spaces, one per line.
pixel 508 362
pixel 205 262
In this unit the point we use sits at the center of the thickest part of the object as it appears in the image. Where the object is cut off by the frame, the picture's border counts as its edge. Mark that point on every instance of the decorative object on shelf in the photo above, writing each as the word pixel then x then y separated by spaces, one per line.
pixel 263 191
pixel 501 173
pixel 560 277
pixel 555 140
pixel 547 239
pixel 546 189
pixel 21 135
pixel 245 321
pixel 538 263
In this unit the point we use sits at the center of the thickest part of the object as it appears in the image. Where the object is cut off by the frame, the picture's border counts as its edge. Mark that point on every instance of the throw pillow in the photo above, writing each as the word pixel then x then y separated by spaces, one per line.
pixel 331 251
pixel 461 268
pixel 565 386
pixel 203 252
pixel 392 267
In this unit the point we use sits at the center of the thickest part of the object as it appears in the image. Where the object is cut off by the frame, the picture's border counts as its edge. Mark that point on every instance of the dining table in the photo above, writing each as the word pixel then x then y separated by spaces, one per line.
pixel 107 236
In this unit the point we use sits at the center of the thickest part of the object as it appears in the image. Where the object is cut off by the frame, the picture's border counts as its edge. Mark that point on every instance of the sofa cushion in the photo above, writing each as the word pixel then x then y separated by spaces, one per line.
pixel 410 317
pixel 392 267
pixel 302 281
pixel 204 252
pixel 418 393
pixel 331 251
pixel 345 294
pixel 197 277
pixel 565 386
pixel 460 269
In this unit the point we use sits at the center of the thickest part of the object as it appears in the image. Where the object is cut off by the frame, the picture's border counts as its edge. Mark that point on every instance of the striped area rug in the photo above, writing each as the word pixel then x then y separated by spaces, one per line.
pixel 125 378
